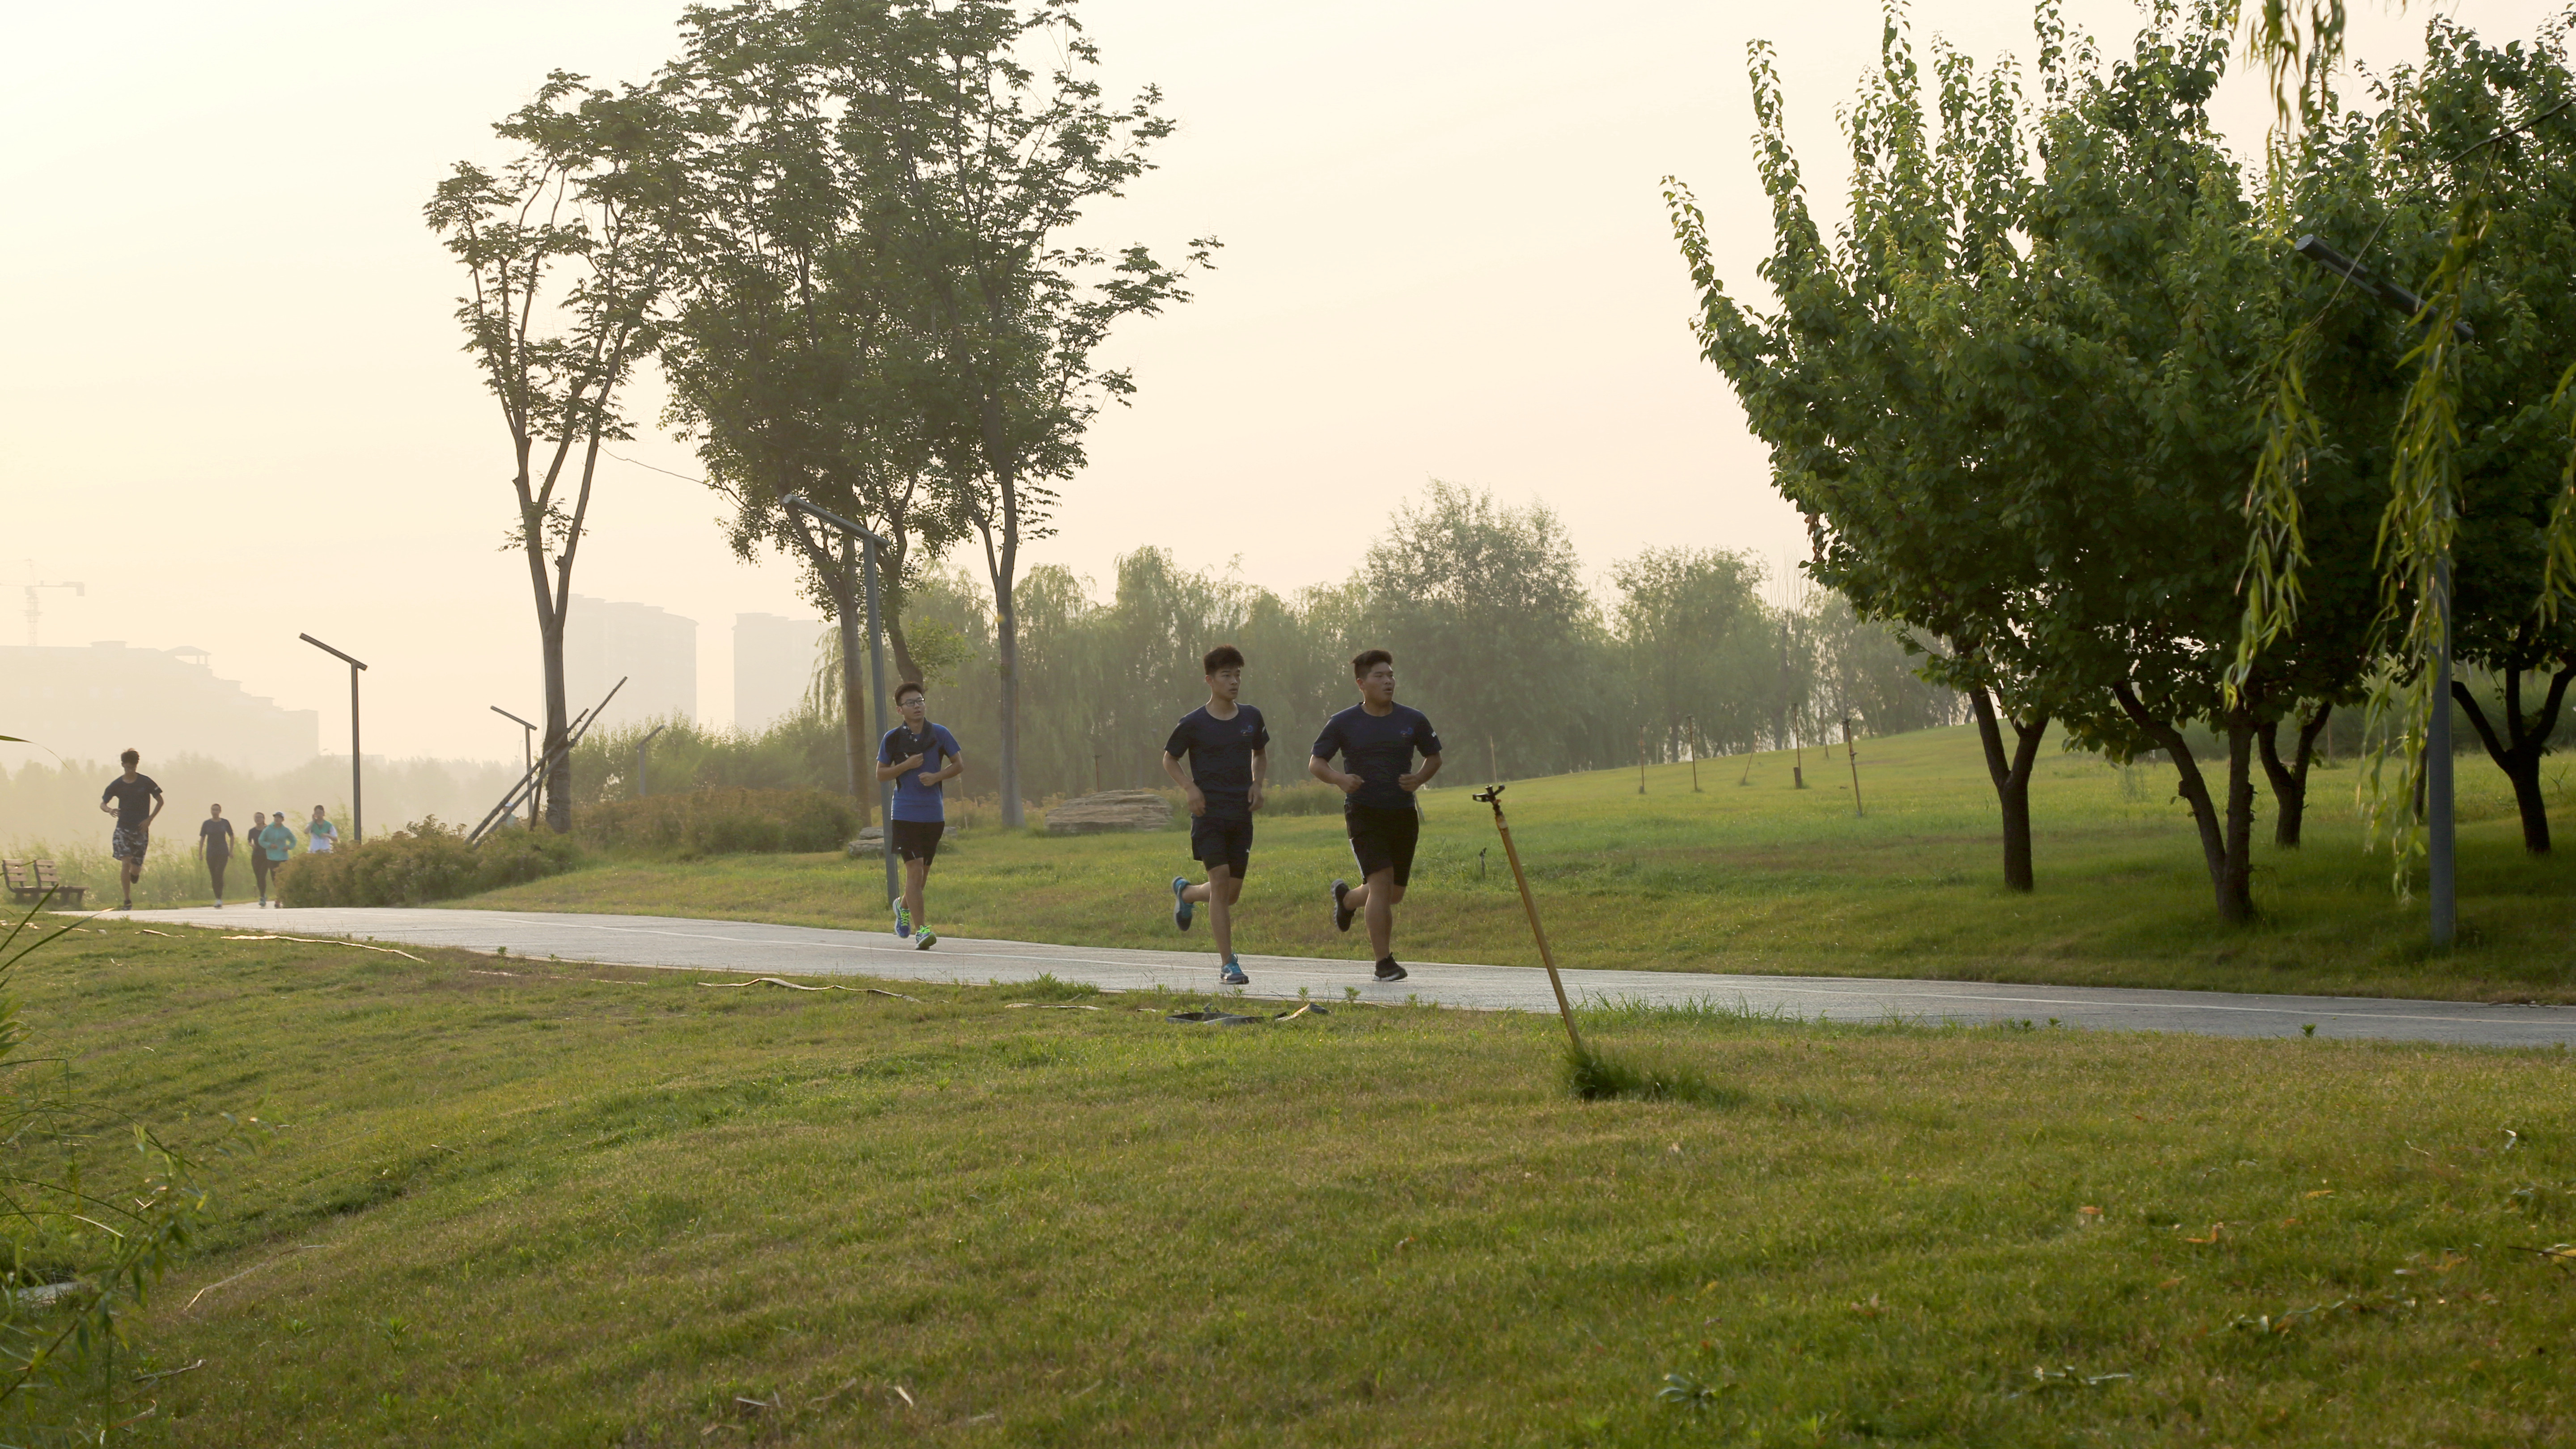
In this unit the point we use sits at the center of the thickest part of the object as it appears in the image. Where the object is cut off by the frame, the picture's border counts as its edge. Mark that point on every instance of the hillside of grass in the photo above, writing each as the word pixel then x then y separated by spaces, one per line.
pixel 1748 874
pixel 522 1203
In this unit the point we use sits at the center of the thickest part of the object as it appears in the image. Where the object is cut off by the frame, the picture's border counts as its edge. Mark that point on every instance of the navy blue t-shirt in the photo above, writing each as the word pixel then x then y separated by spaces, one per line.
pixel 1220 755
pixel 1377 748
pixel 914 800
pixel 133 799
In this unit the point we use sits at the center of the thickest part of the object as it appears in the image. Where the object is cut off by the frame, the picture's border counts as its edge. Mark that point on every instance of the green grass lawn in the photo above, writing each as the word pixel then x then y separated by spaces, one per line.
pixel 528 1203
pixel 1756 877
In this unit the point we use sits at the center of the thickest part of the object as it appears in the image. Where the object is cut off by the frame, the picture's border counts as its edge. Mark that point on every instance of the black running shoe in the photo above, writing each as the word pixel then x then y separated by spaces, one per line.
pixel 1387 970
pixel 1341 914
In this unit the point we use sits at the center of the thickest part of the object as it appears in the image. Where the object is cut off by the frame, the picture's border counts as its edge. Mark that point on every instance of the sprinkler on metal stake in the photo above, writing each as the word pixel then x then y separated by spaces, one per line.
pixel 1493 795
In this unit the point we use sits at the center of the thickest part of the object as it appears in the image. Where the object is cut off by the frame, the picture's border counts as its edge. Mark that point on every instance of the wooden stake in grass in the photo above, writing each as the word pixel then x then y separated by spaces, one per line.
pixel 1493 795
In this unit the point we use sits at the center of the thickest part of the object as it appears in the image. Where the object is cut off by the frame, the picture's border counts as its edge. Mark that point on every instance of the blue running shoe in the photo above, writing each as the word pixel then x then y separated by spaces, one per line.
pixel 1232 975
pixel 1341 914
pixel 927 939
pixel 902 921
pixel 1182 909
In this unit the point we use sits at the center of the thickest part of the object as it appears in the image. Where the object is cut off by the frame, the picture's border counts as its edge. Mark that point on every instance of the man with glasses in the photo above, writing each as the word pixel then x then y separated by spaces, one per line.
pixel 920 758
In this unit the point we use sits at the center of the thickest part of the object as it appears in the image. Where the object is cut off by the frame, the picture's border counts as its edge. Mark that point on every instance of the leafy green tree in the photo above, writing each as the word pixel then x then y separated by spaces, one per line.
pixel 789 349
pixel 564 280
pixel 1695 635
pixel 1878 420
pixel 1494 634
pixel 980 166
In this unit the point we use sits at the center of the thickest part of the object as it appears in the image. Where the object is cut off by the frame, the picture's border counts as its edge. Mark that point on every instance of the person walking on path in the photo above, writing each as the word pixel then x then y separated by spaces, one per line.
pixel 1229 753
pixel 134 798
pixel 258 853
pixel 321 835
pixel 920 757
pixel 1377 739
pixel 215 847
pixel 277 842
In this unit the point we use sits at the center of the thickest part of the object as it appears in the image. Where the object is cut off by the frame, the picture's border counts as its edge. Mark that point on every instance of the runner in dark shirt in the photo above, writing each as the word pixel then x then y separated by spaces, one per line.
pixel 1377 740
pixel 215 847
pixel 1228 748
pixel 135 800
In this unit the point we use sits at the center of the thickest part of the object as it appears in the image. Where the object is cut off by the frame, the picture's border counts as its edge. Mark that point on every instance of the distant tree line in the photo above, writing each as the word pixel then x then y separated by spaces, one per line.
pixel 1494 632
pixel 2062 401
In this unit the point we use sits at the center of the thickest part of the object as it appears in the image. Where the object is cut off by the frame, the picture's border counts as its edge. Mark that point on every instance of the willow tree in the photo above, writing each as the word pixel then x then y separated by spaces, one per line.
pixel 564 276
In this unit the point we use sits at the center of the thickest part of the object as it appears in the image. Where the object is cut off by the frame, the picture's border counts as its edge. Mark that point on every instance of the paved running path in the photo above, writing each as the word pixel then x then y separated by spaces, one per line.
pixel 748 946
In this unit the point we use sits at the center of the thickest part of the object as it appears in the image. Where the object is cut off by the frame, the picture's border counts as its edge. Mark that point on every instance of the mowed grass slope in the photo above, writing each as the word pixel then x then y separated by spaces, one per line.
pixel 1749 874
pixel 513 1203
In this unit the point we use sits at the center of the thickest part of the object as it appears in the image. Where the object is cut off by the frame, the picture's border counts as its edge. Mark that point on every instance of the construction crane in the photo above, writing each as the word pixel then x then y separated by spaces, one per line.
pixel 34 610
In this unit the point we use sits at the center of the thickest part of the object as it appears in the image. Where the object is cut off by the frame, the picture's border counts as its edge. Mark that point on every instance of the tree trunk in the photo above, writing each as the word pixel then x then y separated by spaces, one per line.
pixel 2236 883
pixel 2290 778
pixel 1006 649
pixel 2233 904
pixel 558 775
pixel 2012 783
pixel 2519 751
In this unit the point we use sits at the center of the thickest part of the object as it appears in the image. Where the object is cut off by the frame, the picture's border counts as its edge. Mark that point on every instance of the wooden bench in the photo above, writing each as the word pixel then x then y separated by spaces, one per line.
pixel 30 880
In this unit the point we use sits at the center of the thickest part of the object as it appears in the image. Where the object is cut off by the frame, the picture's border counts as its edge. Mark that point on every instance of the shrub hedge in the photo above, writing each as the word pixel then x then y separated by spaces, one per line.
pixel 423 862
pixel 719 822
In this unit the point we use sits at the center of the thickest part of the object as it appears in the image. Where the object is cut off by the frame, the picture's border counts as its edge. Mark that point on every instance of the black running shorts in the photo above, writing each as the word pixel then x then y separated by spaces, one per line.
pixel 1383 839
pixel 1215 842
pixel 916 839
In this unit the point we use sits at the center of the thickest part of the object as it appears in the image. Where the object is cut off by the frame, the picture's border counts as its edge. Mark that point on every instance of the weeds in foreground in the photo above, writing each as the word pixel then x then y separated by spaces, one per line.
pixel 1597 1076
pixel 84 1244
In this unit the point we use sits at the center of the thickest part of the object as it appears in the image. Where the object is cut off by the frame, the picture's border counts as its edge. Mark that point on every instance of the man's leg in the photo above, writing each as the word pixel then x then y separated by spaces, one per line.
pixel 1382 893
pixel 1221 891
pixel 916 874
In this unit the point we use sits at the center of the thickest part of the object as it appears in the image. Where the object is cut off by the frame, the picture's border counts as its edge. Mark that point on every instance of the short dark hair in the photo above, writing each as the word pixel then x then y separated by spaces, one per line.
pixel 905 688
pixel 129 759
pixel 1368 659
pixel 1223 656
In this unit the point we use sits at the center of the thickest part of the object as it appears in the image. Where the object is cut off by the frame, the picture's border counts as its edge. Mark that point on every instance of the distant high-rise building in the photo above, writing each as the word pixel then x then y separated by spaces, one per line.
pixel 773 662
pixel 656 650
pixel 88 703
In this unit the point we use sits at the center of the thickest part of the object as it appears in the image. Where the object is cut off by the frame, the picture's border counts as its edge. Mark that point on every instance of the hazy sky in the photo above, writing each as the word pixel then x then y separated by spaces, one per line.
pixel 233 404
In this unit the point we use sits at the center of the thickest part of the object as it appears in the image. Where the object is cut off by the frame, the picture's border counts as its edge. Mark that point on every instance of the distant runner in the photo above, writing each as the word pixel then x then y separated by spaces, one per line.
pixel 1229 753
pixel 215 847
pixel 276 842
pixel 135 800
pixel 920 757
pixel 258 853
pixel 321 835
pixel 1377 739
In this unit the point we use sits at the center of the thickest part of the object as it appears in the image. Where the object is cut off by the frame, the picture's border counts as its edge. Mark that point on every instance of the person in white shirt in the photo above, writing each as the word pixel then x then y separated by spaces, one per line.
pixel 321 835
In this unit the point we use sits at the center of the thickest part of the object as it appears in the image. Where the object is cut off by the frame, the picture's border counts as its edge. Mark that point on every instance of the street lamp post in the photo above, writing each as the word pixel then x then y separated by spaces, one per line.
pixel 527 748
pixel 640 791
pixel 357 797
pixel 2441 858
pixel 796 503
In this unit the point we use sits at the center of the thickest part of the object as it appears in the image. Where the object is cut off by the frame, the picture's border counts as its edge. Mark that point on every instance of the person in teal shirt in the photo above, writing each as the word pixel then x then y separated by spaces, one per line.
pixel 276 842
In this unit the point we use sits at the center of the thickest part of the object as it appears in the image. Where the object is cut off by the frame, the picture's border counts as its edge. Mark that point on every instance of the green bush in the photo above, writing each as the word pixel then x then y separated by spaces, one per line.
pixel 426 861
pixel 719 822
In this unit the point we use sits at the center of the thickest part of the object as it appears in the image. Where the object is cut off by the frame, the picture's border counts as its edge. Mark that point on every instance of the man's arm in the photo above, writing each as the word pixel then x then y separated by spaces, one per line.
pixel 1189 787
pixel 956 767
pixel 1322 769
pixel 887 772
pixel 1421 777
pixel 158 800
pixel 1260 775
